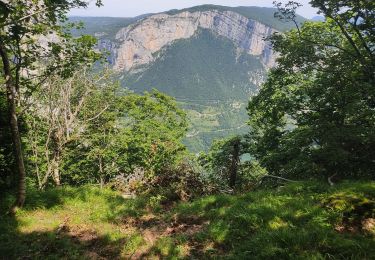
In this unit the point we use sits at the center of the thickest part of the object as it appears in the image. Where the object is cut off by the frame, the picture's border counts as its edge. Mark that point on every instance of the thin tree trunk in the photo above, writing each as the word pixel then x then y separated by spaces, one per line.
pixel 34 148
pixel 277 177
pixel 234 164
pixel 101 173
pixel 56 167
pixel 33 138
pixel 16 137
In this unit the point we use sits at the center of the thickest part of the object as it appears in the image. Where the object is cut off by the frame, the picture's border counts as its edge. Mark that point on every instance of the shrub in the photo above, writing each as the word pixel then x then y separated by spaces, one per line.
pixel 181 182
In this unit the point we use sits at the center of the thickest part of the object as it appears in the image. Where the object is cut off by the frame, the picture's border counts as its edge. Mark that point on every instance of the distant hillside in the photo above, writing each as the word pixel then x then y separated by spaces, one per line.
pixel 318 18
pixel 203 67
pixel 103 27
pixel 264 15
pixel 209 80
pixel 210 58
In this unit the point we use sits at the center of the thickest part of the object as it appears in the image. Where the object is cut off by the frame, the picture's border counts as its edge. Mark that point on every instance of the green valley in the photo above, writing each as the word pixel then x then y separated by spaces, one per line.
pixel 207 132
pixel 209 79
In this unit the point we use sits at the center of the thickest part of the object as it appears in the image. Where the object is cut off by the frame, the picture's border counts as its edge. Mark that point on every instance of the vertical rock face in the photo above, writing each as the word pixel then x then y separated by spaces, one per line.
pixel 109 47
pixel 139 42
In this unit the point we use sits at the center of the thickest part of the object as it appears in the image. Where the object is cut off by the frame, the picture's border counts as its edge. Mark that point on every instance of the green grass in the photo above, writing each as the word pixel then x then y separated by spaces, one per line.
pixel 304 220
pixel 292 222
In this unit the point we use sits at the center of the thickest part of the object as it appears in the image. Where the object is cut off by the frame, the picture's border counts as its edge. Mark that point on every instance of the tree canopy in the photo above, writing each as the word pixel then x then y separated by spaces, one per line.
pixel 34 44
pixel 315 113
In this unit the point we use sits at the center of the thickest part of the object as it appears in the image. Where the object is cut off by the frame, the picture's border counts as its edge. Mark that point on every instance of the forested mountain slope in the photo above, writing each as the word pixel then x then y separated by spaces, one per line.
pixel 210 58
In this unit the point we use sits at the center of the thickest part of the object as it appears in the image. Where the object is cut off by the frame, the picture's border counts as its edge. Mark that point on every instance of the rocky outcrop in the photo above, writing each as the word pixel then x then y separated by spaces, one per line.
pixel 139 42
pixel 109 47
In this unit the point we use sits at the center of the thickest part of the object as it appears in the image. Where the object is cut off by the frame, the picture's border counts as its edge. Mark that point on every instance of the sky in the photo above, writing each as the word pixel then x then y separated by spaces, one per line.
pixel 131 8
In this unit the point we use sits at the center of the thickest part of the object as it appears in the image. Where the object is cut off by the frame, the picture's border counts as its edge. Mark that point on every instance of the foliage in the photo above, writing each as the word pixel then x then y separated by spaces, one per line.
pixel 33 46
pixel 134 142
pixel 61 112
pixel 228 161
pixel 219 155
pixel 215 95
pixel 32 33
pixel 6 157
pixel 314 115
pixel 87 130
pixel 294 221
pixel 181 182
pixel 154 127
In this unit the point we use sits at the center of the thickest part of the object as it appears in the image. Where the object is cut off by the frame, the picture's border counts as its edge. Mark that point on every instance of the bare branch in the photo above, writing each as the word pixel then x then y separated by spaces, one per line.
pixel 277 177
pixel 99 114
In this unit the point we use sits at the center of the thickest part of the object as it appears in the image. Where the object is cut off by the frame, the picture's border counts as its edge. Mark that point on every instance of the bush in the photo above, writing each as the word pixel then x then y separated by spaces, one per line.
pixel 182 182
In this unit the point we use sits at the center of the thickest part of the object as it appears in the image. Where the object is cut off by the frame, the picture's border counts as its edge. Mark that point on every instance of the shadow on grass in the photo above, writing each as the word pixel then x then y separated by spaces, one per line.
pixel 55 244
pixel 297 221
pixel 87 206
pixel 292 223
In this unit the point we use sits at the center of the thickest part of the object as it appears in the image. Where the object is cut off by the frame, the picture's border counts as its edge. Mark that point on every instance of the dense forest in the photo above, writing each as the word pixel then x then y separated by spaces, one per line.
pixel 89 169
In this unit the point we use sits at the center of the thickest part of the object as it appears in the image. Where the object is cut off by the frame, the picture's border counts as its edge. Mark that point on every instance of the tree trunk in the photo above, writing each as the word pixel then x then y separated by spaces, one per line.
pixel 36 165
pixel 101 173
pixel 234 164
pixel 56 167
pixel 16 137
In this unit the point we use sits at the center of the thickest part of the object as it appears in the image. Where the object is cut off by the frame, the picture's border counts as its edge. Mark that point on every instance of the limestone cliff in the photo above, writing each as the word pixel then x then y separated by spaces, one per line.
pixel 138 43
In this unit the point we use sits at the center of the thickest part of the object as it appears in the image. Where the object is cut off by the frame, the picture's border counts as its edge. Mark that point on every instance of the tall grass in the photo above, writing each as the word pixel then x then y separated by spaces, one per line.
pixel 304 220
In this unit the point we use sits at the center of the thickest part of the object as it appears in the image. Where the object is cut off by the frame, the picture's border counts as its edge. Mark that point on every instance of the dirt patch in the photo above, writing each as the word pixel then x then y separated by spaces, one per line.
pixel 366 226
pixel 150 226
pixel 145 221
pixel 187 226
pixel 94 245
pixel 87 237
pixel 153 228
pixel 94 256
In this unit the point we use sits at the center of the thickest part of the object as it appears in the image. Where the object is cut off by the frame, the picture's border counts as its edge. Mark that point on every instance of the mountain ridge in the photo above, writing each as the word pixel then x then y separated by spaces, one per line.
pixel 212 59
pixel 139 42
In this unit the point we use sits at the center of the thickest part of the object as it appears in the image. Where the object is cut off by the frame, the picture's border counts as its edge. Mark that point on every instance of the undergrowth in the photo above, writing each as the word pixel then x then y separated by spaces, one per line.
pixel 305 220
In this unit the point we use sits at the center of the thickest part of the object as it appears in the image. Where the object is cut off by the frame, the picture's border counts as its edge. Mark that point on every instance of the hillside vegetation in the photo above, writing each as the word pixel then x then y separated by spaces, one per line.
pixel 90 170
pixel 204 68
pixel 204 72
pixel 306 220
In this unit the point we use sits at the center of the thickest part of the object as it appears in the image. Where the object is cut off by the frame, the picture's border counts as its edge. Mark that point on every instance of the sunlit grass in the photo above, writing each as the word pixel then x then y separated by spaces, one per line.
pixel 303 220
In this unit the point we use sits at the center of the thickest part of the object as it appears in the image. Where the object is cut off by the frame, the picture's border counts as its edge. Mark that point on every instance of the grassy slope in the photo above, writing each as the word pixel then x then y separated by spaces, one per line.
pixel 299 221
